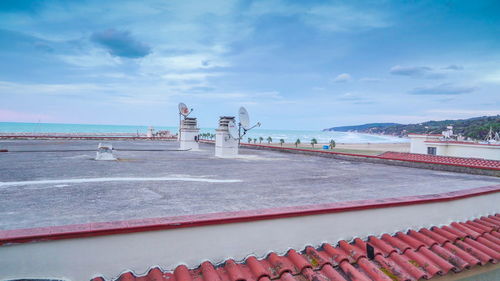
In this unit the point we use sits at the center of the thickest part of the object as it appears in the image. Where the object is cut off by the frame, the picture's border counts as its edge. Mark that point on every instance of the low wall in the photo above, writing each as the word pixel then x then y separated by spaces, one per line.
pixel 79 252
pixel 50 137
pixel 378 160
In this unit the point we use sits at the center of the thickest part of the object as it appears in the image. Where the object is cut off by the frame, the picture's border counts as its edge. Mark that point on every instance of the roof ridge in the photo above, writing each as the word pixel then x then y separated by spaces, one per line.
pixel 411 255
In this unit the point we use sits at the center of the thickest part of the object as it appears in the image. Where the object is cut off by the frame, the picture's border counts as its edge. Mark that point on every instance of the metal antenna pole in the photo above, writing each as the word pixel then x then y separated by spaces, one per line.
pixel 180 126
pixel 239 134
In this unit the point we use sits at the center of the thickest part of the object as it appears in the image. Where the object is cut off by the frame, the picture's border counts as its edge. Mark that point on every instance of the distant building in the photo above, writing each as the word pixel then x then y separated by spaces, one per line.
pixel 445 145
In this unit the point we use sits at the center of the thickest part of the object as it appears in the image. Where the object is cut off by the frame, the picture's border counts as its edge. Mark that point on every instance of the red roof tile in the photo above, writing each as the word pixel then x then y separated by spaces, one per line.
pixel 425 253
pixel 446 160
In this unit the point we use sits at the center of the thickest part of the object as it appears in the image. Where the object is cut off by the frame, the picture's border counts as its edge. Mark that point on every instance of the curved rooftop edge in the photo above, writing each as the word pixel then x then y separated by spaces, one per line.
pixel 452 252
pixel 80 252
pixel 15 236
pixel 475 163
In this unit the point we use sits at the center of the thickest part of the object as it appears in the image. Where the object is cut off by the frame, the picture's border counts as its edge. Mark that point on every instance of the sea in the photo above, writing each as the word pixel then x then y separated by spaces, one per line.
pixel 288 136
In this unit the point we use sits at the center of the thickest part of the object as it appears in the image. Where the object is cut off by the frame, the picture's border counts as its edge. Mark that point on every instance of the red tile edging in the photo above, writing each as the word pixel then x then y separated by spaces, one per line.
pixel 152 224
pixel 370 156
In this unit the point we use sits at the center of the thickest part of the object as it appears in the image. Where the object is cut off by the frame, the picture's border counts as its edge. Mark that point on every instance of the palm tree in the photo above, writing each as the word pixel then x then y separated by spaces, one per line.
pixel 332 144
pixel 313 142
pixel 282 141
pixel 261 139
pixel 254 141
pixel 249 140
pixel 212 136
pixel 297 142
pixel 269 140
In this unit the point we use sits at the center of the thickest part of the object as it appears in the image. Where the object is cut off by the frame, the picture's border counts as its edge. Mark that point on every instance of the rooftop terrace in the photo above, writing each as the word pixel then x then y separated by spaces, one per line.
pixel 68 187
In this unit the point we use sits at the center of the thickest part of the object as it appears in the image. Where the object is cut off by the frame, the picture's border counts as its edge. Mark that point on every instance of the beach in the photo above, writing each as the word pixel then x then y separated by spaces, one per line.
pixel 354 148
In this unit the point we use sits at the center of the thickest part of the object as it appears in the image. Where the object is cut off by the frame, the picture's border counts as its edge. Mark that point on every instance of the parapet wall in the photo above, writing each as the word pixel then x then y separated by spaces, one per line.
pixel 77 252
pixel 380 160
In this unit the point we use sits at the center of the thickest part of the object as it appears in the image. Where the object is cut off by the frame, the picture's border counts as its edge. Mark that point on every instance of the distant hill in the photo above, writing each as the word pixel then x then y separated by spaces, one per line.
pixel 475 128
pixel 360 128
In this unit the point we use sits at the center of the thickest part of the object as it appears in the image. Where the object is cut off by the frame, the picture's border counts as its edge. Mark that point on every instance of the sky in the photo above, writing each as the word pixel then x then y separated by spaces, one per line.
pixel 292 64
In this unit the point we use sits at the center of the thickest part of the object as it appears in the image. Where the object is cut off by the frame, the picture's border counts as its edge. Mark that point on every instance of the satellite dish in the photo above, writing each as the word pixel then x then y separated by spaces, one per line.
pixel 183 109
pixel 244 119
pixel 233 130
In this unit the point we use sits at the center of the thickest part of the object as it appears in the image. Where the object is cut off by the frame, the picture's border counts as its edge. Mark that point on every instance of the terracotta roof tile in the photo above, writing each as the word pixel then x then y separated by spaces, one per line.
pixel 447 160
pixel 448 233
pixel 414 243
pixel 403 256
pixel 491 238
pixel 396 243
pixel 471 260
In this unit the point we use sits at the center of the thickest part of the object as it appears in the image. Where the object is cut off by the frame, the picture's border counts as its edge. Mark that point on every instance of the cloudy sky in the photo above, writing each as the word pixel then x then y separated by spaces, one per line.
pixel 293 64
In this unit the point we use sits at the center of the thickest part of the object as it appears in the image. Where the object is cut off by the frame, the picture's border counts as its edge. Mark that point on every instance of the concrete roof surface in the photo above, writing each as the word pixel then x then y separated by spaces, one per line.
pixel 69 187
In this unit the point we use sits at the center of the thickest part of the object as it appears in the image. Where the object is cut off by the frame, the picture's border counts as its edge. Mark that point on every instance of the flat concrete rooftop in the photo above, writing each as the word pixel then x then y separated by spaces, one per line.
pixel 58 188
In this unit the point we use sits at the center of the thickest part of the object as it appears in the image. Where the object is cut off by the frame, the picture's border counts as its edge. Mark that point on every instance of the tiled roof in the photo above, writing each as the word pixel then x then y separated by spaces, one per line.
pixel 413 255
pixel 435 159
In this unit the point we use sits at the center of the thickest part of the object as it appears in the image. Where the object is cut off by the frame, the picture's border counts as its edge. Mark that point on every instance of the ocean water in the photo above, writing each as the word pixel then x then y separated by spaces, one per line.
pixel 288 135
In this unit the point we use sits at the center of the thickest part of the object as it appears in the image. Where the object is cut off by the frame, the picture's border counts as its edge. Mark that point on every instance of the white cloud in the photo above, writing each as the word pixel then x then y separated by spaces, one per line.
pixel 93 58
pixel 334 17
pixel 344 18
pixel 464 113
pixel 18 116
pixel 344 77
pixel 370 79
pixel 443 89
pixel 493 77
pixel 190 76
pixel 50 89
pixel 157 65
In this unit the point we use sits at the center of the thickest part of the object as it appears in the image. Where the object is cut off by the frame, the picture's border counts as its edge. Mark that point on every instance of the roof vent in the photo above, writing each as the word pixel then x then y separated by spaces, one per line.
pixel 105 152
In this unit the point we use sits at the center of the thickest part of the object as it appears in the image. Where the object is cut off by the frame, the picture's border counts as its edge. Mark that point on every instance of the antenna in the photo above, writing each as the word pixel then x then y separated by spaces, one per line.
pixel 244 123
pixel 183 111
pixel 244 118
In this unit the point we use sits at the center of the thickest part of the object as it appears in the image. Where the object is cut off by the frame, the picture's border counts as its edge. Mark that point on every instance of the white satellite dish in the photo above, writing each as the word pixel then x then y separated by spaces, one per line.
pixel 244 118
pixel 233 130
pixel 183 109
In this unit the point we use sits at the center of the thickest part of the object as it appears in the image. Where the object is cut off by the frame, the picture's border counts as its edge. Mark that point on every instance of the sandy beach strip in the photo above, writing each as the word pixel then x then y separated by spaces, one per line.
pixel 356 148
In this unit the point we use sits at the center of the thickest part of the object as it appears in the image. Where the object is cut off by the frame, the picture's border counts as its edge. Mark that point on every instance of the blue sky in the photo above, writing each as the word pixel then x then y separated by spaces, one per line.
pixel 292 64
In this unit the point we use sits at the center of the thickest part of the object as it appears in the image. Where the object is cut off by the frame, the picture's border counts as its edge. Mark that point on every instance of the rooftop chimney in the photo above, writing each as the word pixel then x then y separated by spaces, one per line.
pixel 226 146
pixel 189 134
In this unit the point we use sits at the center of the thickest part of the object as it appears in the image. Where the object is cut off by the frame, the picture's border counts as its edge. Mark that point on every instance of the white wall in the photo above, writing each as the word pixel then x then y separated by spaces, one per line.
pixel 464 150
pixel 187 140
pixel 110 255
pixel 418 143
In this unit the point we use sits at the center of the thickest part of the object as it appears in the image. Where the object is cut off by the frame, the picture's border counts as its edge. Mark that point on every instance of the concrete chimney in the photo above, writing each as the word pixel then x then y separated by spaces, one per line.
pixel 189 134
pixel 225 145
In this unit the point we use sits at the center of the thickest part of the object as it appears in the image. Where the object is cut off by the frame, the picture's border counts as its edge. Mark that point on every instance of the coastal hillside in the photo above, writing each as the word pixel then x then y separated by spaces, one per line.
pixel 360 128
pixel 475 128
